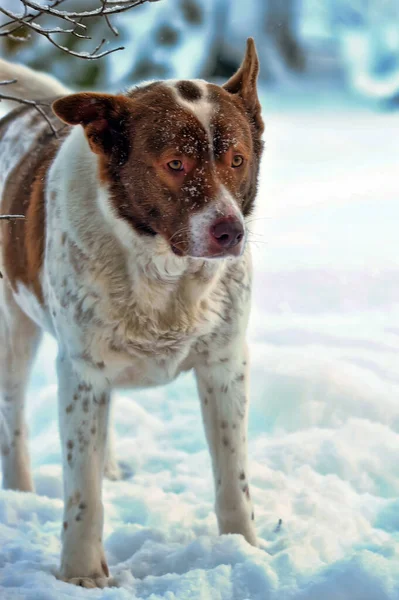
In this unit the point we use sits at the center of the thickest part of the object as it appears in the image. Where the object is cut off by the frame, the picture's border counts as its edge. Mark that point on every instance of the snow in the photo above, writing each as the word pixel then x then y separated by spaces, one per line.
pixel 324 424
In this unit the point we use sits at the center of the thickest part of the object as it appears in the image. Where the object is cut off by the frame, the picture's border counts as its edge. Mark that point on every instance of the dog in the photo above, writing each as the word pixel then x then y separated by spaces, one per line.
pixel 133 254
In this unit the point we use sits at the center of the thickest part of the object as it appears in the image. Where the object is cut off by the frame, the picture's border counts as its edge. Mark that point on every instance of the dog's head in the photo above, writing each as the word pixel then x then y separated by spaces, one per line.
pixel 180 159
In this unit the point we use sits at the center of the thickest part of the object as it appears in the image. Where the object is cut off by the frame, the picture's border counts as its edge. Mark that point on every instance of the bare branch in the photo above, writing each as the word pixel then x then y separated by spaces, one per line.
pixel 12 217
pixel 34 103
pixel 31 17
pixel 80 19
pixel 111 7
pixel 8 81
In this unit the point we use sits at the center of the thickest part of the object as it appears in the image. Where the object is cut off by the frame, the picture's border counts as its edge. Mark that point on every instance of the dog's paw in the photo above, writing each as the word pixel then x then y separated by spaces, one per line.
pixel 89 582
pixel 89 569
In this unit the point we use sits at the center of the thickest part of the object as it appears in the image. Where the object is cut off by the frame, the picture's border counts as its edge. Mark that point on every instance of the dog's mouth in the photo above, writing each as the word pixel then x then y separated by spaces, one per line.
pixel 223 238
pixel 210 253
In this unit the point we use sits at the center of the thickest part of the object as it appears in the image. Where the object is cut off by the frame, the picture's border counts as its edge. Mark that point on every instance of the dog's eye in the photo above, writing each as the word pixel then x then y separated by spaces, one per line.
pixel 175 165
pixel 237 161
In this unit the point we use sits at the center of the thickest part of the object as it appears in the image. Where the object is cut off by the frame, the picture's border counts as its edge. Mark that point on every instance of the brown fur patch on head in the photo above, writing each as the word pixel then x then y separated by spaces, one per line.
pixel 102 117
pixel 156 200
pixel 159 160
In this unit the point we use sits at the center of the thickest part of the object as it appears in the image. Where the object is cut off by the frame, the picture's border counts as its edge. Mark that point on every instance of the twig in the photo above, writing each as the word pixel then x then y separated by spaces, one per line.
pixel 8 81
pixel 11 217
pixel 278 526
pixel 111 8
pixel 36 105
pixel 77 18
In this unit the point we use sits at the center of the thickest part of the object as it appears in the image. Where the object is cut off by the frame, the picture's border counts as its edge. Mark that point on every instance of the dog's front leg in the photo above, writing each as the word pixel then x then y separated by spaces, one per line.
pixel 223 387
pixel 83 415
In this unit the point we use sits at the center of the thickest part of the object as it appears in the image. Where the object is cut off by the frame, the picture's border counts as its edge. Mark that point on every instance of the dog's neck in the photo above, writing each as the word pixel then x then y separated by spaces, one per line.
pixel 113 248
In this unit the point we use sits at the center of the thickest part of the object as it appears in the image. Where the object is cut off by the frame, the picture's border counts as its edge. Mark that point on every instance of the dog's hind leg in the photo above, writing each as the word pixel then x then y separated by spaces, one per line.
pixel 19 338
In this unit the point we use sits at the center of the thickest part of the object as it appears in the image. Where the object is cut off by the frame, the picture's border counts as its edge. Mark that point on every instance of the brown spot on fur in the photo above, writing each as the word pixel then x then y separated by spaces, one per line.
pixel 223 424
pixel 188 90
pixel 240 377
pixel 225 441
pixel 93 430
pixel 63 238
pixel 84 387
pixel 69 408
pixel 17 432
pixel 242 475
pixel 101 400
pixel 85 405
pixel 70 444
pixel 69 457
pixel 245 490
pixel 65 525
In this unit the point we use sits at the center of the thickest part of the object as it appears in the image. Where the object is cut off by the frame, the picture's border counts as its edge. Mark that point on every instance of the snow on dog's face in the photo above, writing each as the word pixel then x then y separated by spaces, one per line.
pixel 179 159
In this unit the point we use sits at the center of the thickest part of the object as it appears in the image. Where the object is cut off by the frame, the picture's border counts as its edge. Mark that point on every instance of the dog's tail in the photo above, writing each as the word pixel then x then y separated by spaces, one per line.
pixel 29 84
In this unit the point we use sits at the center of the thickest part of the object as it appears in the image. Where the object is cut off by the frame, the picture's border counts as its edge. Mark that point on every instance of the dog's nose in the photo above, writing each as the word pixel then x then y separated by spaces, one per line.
pixel 227 232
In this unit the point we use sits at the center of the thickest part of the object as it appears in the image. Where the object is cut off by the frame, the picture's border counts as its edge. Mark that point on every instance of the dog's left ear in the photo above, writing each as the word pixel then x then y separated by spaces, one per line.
pixel 243 83
pixel 102 116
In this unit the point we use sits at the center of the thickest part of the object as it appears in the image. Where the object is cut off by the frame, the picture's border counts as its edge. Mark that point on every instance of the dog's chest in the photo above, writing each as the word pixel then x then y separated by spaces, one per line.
pixel 132 355
pixel 130 345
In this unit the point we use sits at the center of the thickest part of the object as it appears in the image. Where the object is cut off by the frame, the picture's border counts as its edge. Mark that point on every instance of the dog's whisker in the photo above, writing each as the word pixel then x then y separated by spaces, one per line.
pixel 258 219
pixel 179 231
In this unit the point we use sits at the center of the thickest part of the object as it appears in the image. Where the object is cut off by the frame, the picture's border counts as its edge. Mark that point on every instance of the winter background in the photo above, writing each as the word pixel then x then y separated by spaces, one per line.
pixel 324 332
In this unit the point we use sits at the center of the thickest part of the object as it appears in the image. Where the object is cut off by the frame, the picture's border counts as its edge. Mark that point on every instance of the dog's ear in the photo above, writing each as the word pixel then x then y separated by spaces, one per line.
pixel 103 117
pixel 243 83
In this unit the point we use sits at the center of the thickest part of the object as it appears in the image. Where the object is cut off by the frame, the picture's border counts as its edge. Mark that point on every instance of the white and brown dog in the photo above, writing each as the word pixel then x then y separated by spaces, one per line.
pixel 133 255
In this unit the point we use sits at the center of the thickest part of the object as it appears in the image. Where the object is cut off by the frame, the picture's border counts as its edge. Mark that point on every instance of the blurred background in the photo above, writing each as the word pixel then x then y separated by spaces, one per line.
pixel 352 44
pixel 323 335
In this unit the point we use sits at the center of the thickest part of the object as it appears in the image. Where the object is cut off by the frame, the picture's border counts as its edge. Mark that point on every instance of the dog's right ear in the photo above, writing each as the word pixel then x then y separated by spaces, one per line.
pixel 243 83
pixel 103 117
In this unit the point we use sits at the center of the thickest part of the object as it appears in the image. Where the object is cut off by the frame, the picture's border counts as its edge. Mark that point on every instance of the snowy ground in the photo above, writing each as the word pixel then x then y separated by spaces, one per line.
pixel 324 425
